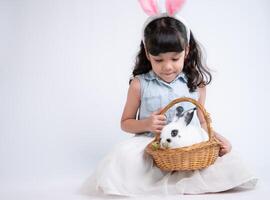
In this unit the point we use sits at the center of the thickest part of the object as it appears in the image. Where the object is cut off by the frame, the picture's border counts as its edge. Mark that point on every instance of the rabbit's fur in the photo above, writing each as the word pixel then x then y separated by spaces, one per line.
pixel 180 133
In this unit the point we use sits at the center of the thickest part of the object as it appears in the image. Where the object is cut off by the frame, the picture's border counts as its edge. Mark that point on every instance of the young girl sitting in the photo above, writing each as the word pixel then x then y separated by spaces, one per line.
pixel 168 66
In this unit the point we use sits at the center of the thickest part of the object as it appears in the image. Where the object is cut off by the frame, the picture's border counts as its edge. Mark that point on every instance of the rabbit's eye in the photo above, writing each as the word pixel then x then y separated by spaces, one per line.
pixel 174 132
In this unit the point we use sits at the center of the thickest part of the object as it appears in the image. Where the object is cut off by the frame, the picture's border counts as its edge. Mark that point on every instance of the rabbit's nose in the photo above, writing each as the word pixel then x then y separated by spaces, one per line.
pixel 168 140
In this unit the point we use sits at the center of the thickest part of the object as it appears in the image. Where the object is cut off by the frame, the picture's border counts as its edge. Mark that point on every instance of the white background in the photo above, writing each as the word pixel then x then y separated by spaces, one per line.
pixel 64 71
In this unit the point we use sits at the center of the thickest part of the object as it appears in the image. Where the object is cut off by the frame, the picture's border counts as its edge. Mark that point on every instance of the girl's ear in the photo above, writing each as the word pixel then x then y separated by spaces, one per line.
pixel 186 51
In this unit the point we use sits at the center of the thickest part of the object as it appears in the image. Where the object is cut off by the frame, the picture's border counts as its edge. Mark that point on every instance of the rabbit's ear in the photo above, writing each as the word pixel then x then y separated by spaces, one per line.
pixel 173 6
pixel 150 7
pixel 178 113
pixel 187 116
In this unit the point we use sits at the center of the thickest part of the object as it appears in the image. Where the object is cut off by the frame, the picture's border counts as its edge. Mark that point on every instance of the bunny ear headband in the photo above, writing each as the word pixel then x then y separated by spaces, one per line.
pixel 151 8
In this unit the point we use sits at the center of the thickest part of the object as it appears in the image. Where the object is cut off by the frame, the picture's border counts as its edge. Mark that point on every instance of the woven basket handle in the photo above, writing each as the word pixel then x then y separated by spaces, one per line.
pixel 198 105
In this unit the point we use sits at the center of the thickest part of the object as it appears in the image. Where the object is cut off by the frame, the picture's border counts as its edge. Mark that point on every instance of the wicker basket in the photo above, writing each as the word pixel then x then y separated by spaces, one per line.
pixel 193 157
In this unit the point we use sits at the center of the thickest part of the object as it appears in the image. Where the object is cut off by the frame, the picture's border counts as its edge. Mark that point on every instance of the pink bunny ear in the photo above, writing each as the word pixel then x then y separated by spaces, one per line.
pixel 150 7
pixel 173 6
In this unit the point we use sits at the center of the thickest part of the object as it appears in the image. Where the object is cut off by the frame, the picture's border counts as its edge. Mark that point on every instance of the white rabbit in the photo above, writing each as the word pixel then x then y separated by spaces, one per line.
pixel 180 133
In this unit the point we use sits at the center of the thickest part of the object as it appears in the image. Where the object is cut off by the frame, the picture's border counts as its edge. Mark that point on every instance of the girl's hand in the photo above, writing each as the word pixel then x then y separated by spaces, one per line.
pixel 155 122
pixel 226 146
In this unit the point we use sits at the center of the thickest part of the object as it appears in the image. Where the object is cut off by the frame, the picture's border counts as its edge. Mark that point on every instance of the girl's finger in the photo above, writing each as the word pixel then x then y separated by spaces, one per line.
pixel 157 131
pixel 161 123
pixel 159 127
pixel 162 117
pixel 222 152
pixel 157 112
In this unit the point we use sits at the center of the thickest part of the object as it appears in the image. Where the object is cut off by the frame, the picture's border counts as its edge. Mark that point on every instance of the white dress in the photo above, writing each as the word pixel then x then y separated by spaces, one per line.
pixel 128 171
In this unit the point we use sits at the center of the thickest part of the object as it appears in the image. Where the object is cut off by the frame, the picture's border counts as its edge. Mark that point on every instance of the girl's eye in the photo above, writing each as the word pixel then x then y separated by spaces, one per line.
pixel 174 59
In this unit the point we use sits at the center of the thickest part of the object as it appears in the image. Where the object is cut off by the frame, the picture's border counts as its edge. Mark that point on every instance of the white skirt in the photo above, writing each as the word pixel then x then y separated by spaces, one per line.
pixel 128 171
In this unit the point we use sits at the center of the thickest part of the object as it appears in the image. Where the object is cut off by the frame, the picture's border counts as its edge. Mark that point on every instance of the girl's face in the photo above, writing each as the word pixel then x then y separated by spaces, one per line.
pixel 167 65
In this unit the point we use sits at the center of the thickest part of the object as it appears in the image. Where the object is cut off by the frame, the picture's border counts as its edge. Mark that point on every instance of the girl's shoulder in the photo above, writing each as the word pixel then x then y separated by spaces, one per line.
pixel 135 83
pixel 142 80
pixel 148 76
pixel 135 87
pixel 201 89
pixel 201 94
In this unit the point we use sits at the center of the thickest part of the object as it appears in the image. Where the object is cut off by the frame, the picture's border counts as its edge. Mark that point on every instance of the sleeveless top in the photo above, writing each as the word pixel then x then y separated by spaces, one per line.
pixel 156 94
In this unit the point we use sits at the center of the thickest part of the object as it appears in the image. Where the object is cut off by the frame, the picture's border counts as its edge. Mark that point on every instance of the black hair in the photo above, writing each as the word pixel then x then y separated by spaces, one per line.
pixel 168 34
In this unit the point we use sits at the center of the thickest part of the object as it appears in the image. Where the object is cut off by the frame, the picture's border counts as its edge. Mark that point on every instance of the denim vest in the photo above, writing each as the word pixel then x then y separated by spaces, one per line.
pixel 156 93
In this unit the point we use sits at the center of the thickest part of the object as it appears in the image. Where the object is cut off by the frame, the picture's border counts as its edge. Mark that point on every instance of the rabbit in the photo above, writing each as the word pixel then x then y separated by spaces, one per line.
pixel 180 133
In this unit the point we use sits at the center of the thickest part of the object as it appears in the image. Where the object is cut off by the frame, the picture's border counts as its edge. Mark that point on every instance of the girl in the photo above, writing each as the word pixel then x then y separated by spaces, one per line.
pixel 168 65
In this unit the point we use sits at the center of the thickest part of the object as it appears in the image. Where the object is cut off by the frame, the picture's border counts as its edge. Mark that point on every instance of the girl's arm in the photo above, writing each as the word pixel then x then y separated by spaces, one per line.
pixel 201 100
pixel 129 123
pixel 225 144
pixel 128 120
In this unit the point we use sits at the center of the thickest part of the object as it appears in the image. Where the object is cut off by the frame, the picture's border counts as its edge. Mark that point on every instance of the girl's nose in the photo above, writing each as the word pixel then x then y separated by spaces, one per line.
pixel 167 66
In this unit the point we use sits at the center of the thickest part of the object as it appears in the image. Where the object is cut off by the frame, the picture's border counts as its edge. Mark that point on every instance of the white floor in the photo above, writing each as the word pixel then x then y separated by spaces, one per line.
pixel 67 190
